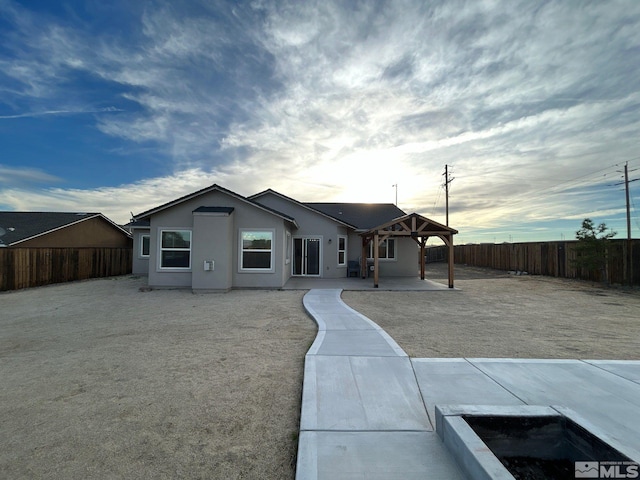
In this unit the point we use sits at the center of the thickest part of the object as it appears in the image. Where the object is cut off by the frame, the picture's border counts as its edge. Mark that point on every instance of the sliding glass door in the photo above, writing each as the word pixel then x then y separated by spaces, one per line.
pixel 306 256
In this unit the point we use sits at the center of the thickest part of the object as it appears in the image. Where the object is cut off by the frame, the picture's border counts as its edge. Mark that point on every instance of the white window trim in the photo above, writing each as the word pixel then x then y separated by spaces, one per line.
pixel 288 247
pixel 344 263
pixel 241 269
pixel 160 249
pixel 385 259
pixel 142 254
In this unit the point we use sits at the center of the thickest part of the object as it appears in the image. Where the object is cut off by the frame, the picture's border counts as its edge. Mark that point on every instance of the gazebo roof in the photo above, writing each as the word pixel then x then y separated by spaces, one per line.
pixel 413 225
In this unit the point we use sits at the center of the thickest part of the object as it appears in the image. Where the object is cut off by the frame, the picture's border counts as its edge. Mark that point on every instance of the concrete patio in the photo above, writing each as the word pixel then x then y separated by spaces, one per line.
pixel 369 411
pixel 406 284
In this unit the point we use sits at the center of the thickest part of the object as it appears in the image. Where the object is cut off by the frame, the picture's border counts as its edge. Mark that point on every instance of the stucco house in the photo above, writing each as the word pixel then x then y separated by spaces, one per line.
pixel 215 240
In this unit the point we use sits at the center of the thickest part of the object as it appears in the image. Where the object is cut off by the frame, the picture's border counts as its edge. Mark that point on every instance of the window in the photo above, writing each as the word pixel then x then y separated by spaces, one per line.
pixel 144 245
pixel 386 250
pixel 175 249
pixel 256 250
pixel 287 252
pixel 342 250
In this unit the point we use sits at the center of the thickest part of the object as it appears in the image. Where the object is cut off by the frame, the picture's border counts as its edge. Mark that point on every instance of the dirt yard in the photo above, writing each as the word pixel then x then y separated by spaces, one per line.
pixel 495 314
pixel 101 380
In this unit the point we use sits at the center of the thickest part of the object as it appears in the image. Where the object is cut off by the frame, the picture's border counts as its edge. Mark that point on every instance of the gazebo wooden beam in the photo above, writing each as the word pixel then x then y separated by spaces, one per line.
pixel 406 233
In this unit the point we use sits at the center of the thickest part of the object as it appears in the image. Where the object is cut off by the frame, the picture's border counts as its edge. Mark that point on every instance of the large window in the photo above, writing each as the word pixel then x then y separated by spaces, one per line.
pixel 256 250
pixel 342 250
pixel 175 249
pixel 145 245
pixel 386 250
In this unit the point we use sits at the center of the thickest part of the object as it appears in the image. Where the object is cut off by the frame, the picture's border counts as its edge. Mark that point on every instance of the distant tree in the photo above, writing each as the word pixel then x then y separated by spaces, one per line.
pixel 593 247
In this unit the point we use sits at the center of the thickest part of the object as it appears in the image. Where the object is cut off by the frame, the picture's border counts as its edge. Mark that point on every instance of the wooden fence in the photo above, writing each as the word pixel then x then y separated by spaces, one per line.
pixel 554 259
pixel 31 267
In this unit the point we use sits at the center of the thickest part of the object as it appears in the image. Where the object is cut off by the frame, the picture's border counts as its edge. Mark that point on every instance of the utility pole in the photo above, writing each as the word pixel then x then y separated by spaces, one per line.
pixel 447 181
pixel 629 250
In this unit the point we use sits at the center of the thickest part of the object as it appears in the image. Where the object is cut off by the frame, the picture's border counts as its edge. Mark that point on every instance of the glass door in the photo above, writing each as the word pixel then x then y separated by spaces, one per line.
pixel 306 256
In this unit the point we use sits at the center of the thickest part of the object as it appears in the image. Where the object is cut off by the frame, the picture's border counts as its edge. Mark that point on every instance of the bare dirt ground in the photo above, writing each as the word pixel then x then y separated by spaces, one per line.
pixel 100 380
pixel 495 314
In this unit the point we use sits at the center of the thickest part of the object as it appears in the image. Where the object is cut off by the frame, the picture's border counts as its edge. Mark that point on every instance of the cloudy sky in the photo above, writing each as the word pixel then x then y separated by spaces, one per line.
pixel 120 106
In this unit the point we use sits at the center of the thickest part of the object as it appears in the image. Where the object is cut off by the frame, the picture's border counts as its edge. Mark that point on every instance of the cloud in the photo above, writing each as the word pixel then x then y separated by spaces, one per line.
pixel 115 202
pixel 24 176
pixel 338 101
pixel 60 112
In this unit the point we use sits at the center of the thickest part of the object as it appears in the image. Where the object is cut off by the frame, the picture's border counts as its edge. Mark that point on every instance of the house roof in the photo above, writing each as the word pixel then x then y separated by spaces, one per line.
pixel 303 205
pixel 17 227
pixel 142 224
pixel 212 188
pixel 362 216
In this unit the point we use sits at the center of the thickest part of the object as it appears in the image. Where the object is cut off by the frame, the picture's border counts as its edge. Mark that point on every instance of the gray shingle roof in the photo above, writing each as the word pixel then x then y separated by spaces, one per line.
pixel 145 215
pixel 19 226
pixel 363 216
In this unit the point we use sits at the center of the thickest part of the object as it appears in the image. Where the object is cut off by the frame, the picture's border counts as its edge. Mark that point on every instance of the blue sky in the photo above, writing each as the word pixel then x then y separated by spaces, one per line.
pixel 120 106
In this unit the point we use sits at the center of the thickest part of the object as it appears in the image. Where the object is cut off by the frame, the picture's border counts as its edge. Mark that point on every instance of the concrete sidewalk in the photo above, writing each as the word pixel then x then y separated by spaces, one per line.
pixel 368 411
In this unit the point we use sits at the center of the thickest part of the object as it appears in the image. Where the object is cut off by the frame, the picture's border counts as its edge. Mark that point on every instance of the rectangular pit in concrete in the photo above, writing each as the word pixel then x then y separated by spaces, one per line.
pixel 526 442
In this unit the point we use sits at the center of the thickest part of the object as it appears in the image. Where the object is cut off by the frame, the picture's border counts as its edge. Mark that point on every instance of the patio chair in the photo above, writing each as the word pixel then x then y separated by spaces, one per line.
pixel 353 266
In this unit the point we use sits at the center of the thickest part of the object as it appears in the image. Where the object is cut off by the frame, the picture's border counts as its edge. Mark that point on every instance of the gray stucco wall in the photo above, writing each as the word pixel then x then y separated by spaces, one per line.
pixel 140 264
pixel 313 224
pixel 213 235
pixel 225 254
pixel 405 263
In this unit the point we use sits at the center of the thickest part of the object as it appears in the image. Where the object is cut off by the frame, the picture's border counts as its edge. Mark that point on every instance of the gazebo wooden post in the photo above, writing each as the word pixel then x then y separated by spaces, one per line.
pixel 423 241
pixel 376 254
pixel 363 259
pixel 451 259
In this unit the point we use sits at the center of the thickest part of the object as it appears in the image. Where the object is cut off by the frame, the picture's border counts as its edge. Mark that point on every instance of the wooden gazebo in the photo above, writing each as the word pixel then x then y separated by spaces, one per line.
pixel 414 226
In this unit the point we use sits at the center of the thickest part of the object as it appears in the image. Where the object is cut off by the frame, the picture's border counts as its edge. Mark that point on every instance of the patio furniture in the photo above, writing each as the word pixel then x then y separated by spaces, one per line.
pixel 353 267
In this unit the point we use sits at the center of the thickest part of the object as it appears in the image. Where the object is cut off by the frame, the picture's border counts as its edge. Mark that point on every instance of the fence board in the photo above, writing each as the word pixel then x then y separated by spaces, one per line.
pixel 32 267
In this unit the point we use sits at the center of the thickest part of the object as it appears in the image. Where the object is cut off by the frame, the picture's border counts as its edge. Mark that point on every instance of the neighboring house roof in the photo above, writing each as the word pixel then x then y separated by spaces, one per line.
pixel 362 216
pixel 144 224
pixel 22 226
pixel 212 188
pixel 303 205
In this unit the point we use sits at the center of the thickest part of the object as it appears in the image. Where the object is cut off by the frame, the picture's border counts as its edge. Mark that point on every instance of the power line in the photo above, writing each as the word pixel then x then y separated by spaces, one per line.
pixel 435 204
pixel 571 184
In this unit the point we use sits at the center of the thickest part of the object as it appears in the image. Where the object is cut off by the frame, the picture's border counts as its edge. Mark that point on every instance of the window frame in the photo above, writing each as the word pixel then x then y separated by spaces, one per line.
pixel 162 249
pixel 241 250
pixel 386 258
pixel 288 248
pixel 141 253
pixel 342 250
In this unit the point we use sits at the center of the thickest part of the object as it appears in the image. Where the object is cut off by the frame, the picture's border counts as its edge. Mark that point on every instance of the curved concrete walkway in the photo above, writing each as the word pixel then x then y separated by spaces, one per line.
pixel 363 405
pixel 362 411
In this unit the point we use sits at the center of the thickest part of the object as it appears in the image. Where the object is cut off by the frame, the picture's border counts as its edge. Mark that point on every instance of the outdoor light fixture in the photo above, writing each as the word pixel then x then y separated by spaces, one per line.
pixel 329 241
